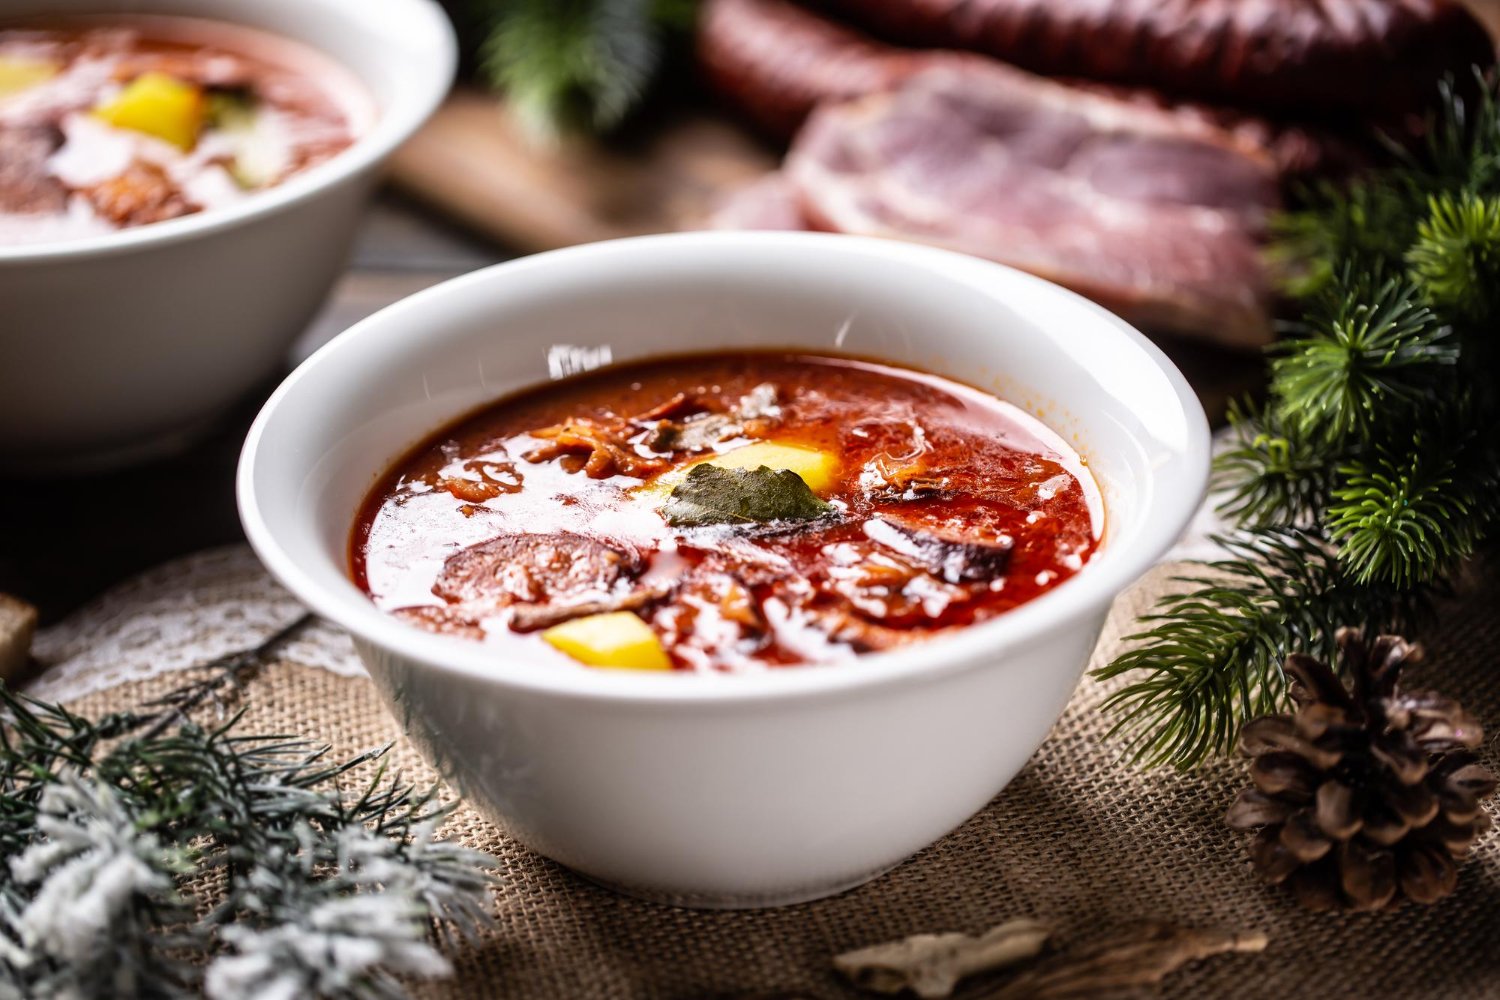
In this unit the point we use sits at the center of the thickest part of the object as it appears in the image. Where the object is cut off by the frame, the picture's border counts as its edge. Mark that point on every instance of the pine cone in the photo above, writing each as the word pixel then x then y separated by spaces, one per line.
pixel 1362 796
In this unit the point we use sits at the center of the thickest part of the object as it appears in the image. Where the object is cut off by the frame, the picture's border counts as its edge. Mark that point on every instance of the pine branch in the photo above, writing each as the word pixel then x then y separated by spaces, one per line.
pixel 1375 468
pixel 101 892
pixel 231 671
pixel 1462 148
pixel 1269 474
pixel 1407 515
pixel 577 63
pixel 1213 654
pixel 1455 258
pixel 1367 227
pixel 324 894
pixel 1367 357
pixel 37 744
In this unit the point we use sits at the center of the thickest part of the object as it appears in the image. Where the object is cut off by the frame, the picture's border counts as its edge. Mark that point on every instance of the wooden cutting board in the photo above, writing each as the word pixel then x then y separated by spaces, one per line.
pixel 474 163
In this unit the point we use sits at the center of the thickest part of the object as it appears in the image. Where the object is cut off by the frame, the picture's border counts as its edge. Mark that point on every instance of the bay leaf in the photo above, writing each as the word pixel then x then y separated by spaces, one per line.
pixel 711 495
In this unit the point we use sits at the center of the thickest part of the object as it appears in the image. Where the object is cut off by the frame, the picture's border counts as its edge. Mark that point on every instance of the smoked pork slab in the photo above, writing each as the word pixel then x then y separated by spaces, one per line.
pixel 775 61
pixel 1125 204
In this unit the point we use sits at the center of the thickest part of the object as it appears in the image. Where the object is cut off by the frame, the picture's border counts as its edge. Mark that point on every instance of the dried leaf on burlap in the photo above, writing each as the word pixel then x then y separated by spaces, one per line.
pixel 17 628
pixel 1127 961
pixel 930 965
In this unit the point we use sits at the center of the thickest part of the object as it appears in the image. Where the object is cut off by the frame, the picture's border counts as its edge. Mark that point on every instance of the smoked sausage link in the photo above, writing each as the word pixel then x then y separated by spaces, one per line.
pixel 1381 56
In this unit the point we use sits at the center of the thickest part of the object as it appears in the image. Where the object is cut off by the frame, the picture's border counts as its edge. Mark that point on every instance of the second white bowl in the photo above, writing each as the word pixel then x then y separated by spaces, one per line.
pixel 126 345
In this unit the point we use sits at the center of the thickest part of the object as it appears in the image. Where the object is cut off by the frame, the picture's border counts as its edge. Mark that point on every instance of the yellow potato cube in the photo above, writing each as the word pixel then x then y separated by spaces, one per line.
pixel 618 639
pixel 20 72
pixel 158 105
pixel 818 469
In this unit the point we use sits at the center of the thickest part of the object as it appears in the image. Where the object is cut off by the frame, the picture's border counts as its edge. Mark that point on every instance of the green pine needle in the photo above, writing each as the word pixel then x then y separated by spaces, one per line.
pixel 1408 515
pixel 317 891
pixel 1213 654
pixel 1462 150
pixel 1456 256
pixel 1364 227
pixel 1368 226
pixel 1374 470
pixel 576 63
pixel 1269 474
pixel 1374 353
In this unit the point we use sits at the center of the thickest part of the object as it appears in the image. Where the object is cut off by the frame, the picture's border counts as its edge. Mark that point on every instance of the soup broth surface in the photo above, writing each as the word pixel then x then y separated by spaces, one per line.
pixel 928 506
pixel 108 123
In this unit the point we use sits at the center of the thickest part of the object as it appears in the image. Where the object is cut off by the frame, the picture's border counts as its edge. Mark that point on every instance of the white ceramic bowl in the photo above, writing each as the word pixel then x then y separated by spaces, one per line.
pixel 122 345
pixel 728 790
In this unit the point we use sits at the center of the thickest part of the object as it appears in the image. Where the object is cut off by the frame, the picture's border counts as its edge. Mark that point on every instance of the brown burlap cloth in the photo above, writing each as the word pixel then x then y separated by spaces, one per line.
pixel 1079 839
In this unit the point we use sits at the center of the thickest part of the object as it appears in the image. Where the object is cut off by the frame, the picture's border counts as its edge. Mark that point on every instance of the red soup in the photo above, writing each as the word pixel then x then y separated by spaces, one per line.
pixel 726 512
pixel 113 122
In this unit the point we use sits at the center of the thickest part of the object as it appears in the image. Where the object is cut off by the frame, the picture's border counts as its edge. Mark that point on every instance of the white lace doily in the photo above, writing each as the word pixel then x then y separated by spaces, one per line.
pixel 180 615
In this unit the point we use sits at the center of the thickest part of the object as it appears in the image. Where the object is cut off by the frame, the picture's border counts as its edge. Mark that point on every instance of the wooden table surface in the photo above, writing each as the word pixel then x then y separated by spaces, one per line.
pixel 64 541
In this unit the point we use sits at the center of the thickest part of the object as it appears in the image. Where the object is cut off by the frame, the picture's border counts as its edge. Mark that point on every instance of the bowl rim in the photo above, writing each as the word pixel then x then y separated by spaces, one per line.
pixel 426 82
pixel 1175 498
